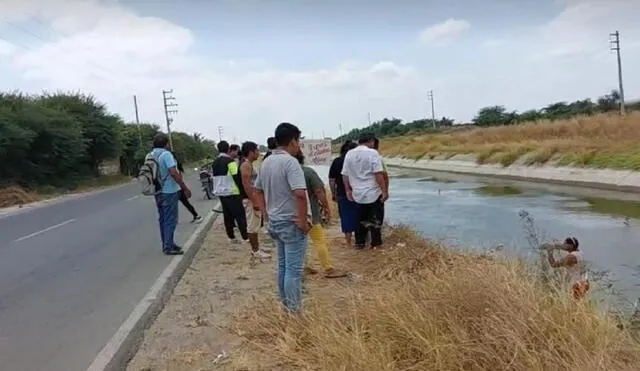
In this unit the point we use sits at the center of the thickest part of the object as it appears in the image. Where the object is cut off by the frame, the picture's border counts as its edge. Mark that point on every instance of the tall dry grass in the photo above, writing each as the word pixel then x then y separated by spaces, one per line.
pixel 605 141
pixel 422 307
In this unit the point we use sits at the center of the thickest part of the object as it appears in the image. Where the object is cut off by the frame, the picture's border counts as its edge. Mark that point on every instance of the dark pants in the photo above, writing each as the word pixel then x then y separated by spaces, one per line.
pixel 187 204
pixel 233 211
pixel 167 204
pixel 370 220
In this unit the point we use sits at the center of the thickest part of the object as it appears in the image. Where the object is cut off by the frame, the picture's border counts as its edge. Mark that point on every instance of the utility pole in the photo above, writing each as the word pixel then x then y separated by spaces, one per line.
pixel 167 97
pixel 340 129
pixel 433 110
pixel 614 41
pixel 369 116
pixel 135 105
pixel 220 131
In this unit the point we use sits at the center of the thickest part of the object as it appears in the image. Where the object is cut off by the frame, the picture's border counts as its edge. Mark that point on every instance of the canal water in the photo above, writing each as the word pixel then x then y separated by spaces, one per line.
pixel 483 213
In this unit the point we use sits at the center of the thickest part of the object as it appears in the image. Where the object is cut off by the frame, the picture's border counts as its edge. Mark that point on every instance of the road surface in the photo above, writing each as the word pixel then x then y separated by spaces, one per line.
pixel 71 272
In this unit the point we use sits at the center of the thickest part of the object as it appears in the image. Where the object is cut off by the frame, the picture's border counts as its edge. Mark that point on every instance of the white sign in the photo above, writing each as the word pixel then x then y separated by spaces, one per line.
pixel 316 151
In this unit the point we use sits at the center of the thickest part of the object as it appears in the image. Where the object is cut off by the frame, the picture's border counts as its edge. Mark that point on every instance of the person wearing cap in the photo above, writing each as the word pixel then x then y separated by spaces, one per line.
pixel 363 177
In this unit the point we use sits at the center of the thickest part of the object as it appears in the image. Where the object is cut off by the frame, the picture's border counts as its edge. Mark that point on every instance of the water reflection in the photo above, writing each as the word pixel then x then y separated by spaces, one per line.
pixel 474 213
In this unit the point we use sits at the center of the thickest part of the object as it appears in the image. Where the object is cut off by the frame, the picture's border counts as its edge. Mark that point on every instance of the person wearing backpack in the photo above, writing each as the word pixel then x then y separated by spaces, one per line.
pixel 161 170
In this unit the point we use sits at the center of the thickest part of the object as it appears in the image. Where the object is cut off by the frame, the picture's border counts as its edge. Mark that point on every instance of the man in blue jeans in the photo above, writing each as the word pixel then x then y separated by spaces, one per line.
pixel 281 195
pixel 167 199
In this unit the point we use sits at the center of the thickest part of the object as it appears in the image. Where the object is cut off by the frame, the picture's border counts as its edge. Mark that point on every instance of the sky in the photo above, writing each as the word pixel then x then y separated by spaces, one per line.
pixel 326 66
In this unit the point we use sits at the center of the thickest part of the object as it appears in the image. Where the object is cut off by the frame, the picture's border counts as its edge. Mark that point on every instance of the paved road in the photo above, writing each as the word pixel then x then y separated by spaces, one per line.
pixel 71 273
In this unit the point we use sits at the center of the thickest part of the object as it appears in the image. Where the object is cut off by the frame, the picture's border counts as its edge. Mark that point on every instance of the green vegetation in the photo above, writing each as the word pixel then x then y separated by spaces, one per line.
pixel 495 116
pixel 64 141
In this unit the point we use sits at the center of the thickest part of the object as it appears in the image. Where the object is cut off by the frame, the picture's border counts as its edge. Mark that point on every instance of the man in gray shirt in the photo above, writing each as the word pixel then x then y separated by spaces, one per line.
pixel 282 196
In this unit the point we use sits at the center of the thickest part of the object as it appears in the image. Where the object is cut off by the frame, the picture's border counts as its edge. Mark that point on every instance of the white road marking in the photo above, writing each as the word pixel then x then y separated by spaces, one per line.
pixel 132 198
pixel 44 230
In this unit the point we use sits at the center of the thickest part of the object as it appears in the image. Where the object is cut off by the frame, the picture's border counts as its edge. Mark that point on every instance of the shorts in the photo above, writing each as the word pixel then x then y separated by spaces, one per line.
pixel 254 218
pixel 580 289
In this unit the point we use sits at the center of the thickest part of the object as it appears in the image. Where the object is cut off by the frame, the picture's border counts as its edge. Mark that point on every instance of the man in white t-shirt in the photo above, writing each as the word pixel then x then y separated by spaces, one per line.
pixel 364 182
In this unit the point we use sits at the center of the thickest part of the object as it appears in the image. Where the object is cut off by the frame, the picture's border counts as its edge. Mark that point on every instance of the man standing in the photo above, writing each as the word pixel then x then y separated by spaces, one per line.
pixel 226 180
pixel 281 192
pixel 364 182
pixel 250 153
pixel 320 214
pixel 172 184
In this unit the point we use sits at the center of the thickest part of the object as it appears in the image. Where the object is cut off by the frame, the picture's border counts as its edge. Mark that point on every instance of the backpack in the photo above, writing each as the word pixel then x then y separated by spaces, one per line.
pixel 149 176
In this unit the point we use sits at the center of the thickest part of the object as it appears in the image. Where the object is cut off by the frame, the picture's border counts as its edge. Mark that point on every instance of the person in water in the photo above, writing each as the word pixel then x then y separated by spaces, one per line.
pixel 574 263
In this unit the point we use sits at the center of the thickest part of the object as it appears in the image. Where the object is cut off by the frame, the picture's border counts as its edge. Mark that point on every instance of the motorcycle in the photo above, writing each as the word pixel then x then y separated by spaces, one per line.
pixel 206 181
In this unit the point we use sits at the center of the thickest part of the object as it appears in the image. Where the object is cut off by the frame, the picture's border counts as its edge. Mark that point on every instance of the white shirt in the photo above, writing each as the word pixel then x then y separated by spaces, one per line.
pixel 360 165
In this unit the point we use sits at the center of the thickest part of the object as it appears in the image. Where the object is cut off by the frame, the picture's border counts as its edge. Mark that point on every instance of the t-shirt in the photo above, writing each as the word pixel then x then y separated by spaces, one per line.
pixel 360 165
pixel 335 173
pixel 313 182
pixel 226 179
pixel 165 162
pixel 280 175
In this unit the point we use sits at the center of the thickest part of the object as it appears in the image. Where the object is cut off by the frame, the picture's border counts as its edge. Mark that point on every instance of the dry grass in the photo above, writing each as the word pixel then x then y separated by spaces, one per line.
pixel 422 307
pixel 15 196
pixel 602 141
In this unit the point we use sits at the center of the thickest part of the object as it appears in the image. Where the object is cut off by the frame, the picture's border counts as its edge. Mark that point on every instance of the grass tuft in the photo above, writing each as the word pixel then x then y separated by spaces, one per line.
pixel 600 141
pixel 420 306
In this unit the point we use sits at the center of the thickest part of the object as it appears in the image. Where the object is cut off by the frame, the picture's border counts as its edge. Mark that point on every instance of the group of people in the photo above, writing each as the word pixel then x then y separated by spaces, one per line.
pixel 289 198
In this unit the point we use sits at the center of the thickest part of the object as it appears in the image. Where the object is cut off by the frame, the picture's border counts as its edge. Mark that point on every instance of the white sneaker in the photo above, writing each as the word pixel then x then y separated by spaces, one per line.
pixel 234 241
pixel 197 220
pixel 261 254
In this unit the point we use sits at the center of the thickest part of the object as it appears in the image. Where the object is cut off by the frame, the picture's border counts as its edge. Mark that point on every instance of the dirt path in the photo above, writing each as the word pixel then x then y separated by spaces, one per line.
pixel 193 329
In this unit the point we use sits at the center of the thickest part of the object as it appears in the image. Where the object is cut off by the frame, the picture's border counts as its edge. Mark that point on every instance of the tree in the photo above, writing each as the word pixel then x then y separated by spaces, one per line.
pixel 494 116
pixel 58 140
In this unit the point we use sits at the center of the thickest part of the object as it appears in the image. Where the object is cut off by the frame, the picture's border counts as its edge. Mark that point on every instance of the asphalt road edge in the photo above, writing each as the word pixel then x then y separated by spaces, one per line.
pixel 124 344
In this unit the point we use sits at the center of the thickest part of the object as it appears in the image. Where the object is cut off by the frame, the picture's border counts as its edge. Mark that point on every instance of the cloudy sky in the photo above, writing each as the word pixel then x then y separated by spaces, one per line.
pixel 250 64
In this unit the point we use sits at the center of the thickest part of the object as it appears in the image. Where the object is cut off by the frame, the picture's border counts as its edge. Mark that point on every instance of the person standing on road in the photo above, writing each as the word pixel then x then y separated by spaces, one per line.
pixel 364 183
pixel 347 208
pixel 183 198
pixel 250 153
pixel 320 214
pixel 282 195
pixel 172 184
pixel 226 180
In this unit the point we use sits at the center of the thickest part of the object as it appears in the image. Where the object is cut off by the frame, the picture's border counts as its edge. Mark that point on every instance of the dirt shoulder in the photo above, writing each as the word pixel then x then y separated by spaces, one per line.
pixel 196 325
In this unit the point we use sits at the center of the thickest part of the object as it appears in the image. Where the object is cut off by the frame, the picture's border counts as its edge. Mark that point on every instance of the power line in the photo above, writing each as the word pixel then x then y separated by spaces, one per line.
pixel 168 98
pixel 433 110
pixel 614 42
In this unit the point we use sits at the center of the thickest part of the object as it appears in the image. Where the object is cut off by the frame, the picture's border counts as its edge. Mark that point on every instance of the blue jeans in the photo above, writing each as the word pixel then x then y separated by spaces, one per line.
pixel 167 204
pixel 291 244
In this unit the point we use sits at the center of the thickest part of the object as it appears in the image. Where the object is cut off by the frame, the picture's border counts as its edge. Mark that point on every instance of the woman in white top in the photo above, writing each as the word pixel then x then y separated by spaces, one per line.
pixel 573 261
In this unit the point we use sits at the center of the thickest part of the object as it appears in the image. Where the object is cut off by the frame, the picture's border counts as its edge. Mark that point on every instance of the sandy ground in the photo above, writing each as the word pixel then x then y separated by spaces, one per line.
pixel 193 332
